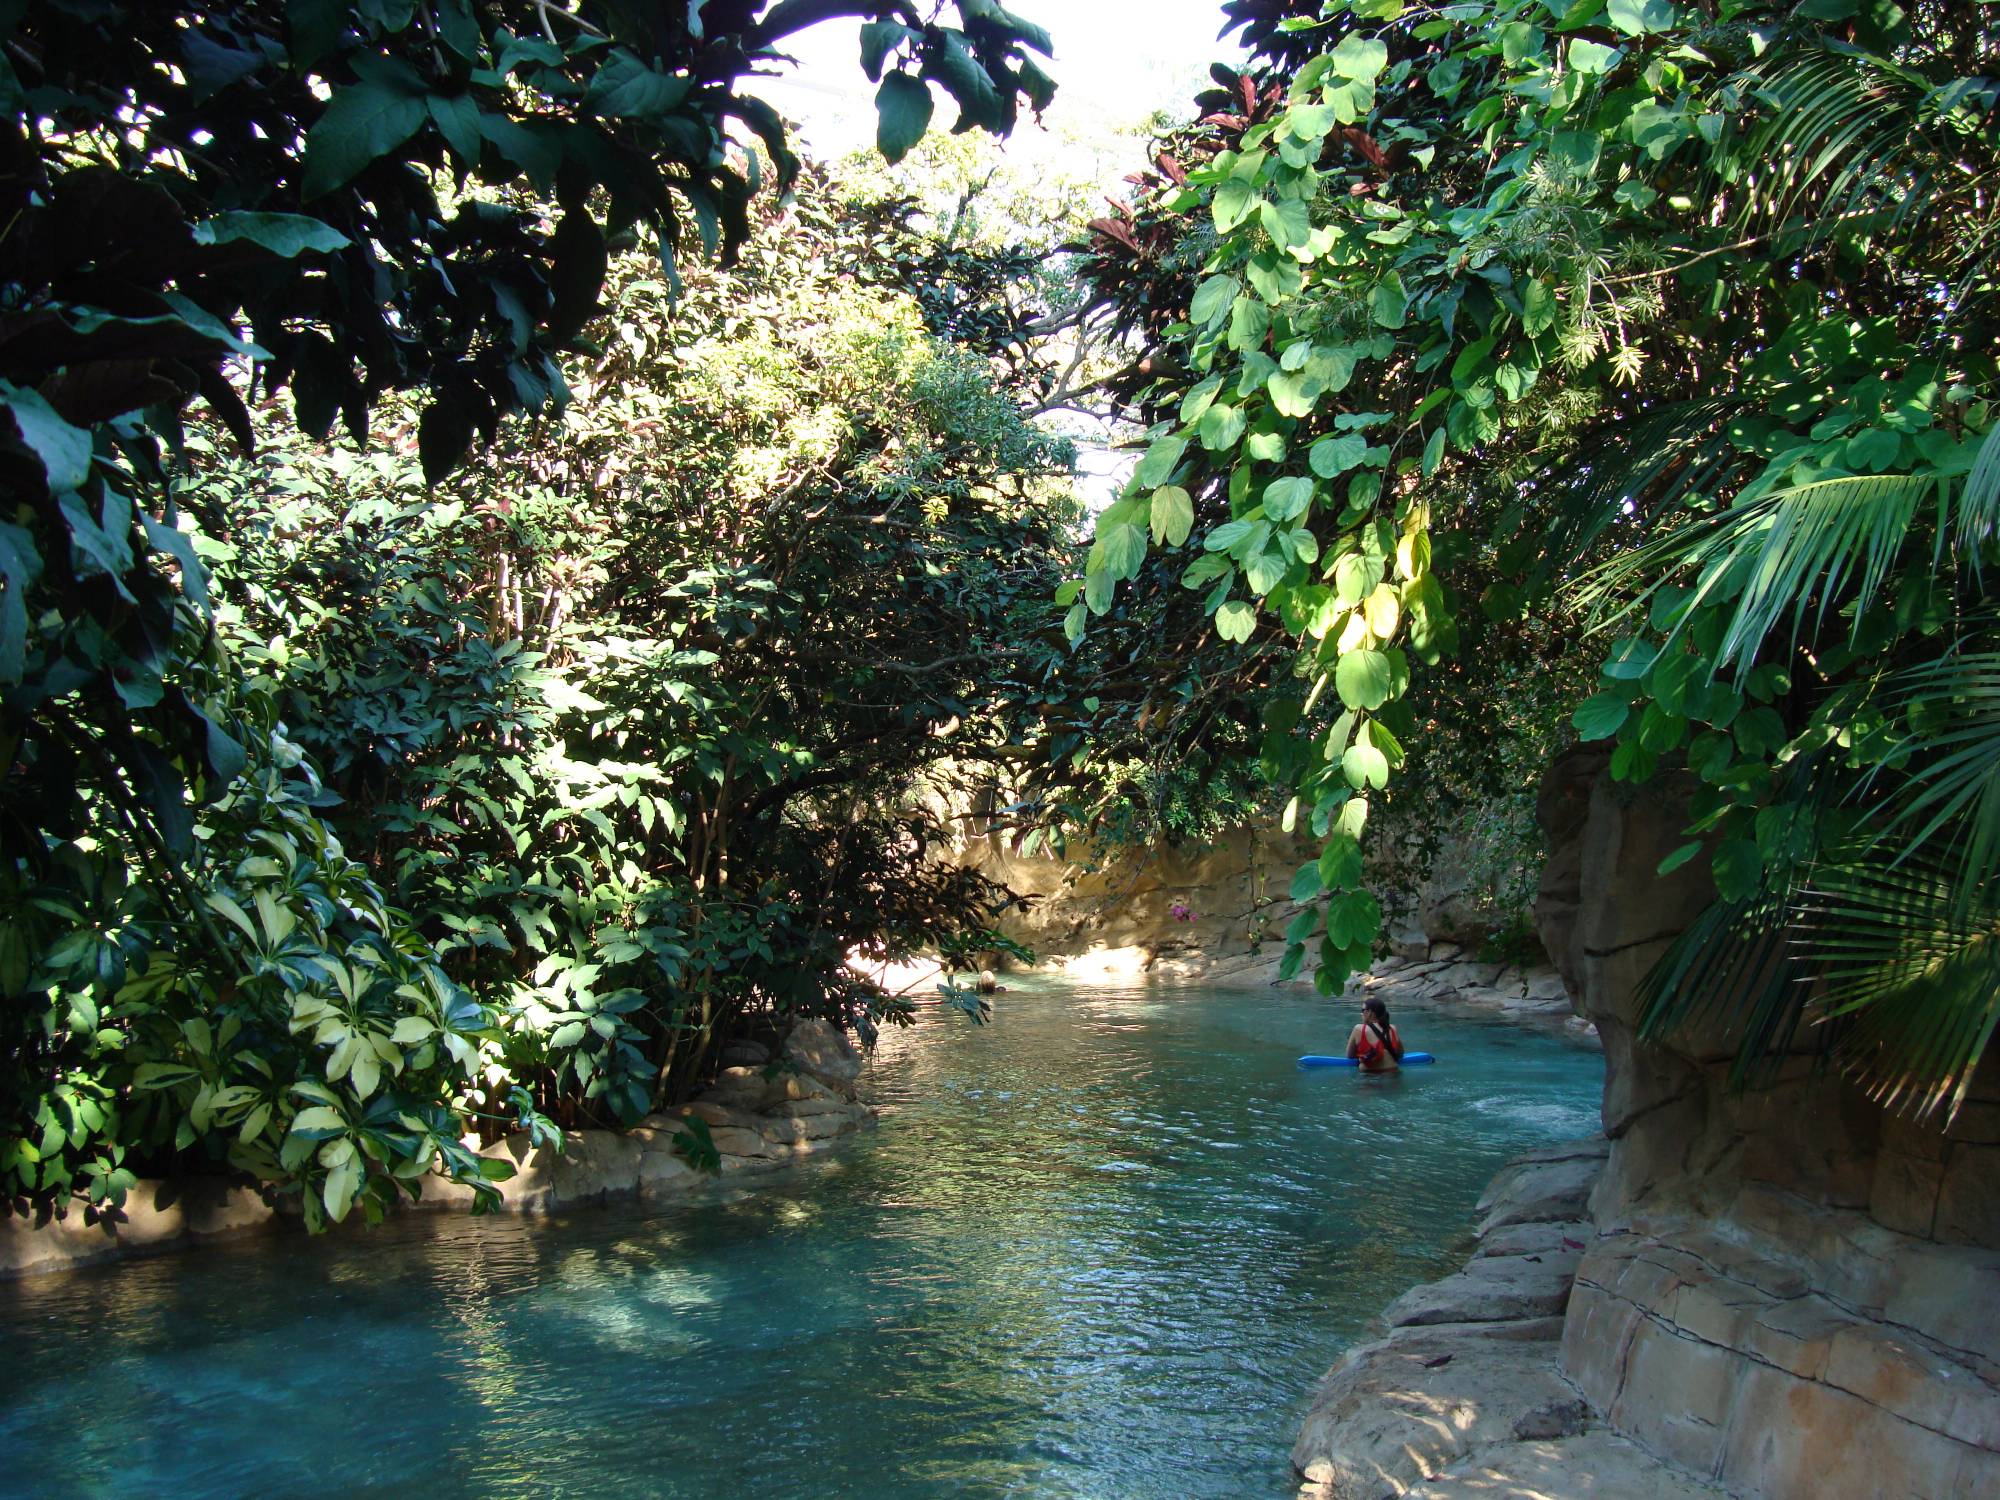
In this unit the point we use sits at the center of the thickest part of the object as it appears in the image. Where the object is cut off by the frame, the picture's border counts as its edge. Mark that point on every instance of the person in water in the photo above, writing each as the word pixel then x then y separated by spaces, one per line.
pixel 1375 1044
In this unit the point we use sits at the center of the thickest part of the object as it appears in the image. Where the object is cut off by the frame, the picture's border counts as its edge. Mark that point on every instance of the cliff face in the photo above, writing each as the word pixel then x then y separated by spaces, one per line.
pixel 1788 1290
pixel 1217 910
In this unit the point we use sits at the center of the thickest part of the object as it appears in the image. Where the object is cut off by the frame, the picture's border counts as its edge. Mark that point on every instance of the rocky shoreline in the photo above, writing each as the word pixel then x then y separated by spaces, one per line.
pixel 1464 1395
pixel 761 1113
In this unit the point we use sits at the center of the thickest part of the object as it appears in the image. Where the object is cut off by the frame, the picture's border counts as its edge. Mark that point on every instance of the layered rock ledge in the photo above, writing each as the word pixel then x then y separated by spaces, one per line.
pixel 1465 1395
pixel 761 1113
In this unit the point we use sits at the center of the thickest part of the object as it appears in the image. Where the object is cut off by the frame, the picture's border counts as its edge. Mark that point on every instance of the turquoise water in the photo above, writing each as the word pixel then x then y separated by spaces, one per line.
pixel 1101 1248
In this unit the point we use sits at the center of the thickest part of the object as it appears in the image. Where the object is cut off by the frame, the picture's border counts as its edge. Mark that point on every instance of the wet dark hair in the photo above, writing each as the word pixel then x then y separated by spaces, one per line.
pixel 1378 1013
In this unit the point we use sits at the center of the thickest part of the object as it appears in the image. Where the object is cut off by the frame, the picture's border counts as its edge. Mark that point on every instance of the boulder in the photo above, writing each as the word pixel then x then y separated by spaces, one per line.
pixel 1492 1289
pixel 739 1142
pixel 786 1132
pixel 663 1172
pixel 743 1053
pixel 1397 1412
pixel 1590 1465
pixel 1540 1191
pixel 156 1216
pixel 593 1167
pixel 717 1115
pixel 818 1050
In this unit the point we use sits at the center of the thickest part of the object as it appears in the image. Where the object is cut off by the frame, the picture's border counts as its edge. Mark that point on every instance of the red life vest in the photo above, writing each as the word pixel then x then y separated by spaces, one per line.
pixel 1370 1046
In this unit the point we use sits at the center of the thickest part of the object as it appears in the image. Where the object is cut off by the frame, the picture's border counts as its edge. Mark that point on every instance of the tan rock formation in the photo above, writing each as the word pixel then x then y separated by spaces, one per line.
pixel 1465 1396
pixel 1790 1292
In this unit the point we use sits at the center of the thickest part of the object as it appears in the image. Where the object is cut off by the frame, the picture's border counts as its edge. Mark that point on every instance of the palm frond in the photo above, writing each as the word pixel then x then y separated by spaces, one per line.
pixel 1841 132
pixel 1979 507
pixel 1914 973
pixel 1676 451
pixel 1948 804
pixel 1732 974
pixel 1787 552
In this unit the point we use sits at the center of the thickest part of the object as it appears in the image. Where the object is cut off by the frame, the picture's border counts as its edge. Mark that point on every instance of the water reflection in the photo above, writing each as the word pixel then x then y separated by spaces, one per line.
pixel 1102 1248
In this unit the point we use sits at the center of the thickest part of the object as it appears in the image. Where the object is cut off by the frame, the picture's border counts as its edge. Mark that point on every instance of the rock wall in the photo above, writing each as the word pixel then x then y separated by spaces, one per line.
pixel 1215 911
pixel 1122 917
pixel 1786 1290
pixel 761 1113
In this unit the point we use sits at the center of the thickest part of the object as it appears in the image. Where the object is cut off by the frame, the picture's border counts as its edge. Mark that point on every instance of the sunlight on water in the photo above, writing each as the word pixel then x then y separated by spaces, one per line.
pixel 1104 1247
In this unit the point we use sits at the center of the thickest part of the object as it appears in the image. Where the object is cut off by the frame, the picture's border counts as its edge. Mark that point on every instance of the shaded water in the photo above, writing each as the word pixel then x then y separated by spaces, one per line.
pixel 1103 1247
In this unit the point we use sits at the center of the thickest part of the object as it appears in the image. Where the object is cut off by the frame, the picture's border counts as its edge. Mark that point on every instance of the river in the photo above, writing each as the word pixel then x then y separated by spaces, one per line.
pixel 1103 1247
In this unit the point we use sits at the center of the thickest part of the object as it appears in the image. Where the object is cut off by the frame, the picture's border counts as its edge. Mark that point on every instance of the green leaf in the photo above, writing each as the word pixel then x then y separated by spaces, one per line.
pixel 1288 498
pixel 1073 622
pixel 1263 572
pixel 457 119
pixel 1639 17
pixel 1592 57
pixel 878 40
pixel 902 115
pixel 64 451
pixel 364 122
pixel 341 1184
pixel 1235 620
pixel 1294 395
pixel 1678 858
pixel 1364 679
pixel 1097 591
pixel 286 235
pixel 1124 550
pixel 1538 308
pixel 1306 883
pixel 1332 456
pixel 319 1123
pixel 1221 425
pixel 1600 716
pixel 444 432
pixel 1157 467
pixel 1630 660
pixel 1433 452
pixel 1365 766
pixel 1340 864
pixel 1232 204
pixel 1212 299
pixel 1738 867
pixel 1360 58
pixel 1172 515
pixel 1389 304
pixel 624 88
pixel 1224 537
pixel 1195 404
pixel 1288 223
pixel 966 79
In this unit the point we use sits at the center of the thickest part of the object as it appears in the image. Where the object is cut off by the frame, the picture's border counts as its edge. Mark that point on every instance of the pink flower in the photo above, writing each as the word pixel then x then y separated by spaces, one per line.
pixel 1180 913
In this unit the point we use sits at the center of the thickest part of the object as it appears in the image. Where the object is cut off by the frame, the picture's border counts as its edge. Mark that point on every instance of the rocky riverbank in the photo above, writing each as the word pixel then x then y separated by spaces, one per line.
pixel 762 1112
pixel 1464 1396
pixel 1782 1290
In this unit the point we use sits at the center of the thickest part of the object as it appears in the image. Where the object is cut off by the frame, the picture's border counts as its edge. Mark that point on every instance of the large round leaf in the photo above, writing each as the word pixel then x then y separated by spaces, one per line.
pixel 1363 679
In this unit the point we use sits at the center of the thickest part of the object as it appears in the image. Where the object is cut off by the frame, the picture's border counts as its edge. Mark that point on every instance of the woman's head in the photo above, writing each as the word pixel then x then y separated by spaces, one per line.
pixel 1375 1011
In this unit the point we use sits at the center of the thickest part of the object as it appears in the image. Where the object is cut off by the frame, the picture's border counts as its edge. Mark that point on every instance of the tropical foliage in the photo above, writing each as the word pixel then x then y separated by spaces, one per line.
pixel 652 718
pixel 335 202
pixel 1690 309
